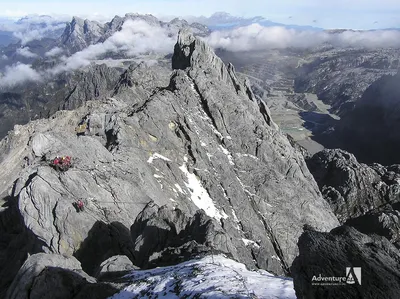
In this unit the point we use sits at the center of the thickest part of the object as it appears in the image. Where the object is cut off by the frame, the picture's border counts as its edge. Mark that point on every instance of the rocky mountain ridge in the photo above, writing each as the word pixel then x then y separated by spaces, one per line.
pixel 79 33
pixel 340 77
pixel 196 164
pixel 20 104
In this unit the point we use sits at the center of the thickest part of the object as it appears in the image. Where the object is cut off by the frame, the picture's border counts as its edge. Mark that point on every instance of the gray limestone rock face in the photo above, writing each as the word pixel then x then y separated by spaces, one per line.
pixel 96 82
pixel 200 141
pixel 364 196
pixel 277 169
pixel 79 34
pixel 328 255
pixel 352 188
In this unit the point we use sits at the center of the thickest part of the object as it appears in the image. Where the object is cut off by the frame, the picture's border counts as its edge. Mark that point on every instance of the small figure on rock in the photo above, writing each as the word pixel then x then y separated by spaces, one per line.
pixel 79 206
pixel 83 126
pixel 61 163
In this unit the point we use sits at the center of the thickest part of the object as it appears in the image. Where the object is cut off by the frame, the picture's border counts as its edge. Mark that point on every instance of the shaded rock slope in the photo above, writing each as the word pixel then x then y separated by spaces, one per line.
pixel 364 196
pixel 167 172
pixel 373 124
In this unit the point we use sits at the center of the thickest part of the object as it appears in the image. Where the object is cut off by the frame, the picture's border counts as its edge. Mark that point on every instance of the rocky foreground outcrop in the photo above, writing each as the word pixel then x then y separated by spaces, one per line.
pixel 166 173
pixel 327 255
pixel 56 276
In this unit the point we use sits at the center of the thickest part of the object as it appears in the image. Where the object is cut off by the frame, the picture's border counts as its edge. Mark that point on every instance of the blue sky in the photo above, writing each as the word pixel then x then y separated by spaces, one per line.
pixel 357 14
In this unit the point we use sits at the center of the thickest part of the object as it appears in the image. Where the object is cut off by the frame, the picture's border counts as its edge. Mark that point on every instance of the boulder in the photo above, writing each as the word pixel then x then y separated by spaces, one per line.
pixel 54 276
pixel 115 267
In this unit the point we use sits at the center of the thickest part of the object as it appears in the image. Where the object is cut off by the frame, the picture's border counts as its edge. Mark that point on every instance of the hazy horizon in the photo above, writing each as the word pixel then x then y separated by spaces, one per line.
pixel 356 14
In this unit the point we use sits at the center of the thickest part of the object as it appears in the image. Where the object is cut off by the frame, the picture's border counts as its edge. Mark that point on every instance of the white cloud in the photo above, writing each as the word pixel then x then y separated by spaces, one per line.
pixel 136 37
pixel 26 53
pixel 256 37
pixel 3 57
pixel 17 74
pixel 26 34
pixel 54 52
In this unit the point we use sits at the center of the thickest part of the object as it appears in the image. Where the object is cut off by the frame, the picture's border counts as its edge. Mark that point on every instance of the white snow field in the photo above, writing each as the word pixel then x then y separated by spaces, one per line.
pixel 208 277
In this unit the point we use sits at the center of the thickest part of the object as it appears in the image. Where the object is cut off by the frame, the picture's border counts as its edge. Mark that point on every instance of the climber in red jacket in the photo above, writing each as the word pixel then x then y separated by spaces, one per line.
pixel 80 205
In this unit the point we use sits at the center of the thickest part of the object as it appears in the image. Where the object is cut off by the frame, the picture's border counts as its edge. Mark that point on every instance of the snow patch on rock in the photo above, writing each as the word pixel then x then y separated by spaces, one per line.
pixel 200 196
pixel 157 156
pixel 248 242
pixel 209 277
pixel 228 154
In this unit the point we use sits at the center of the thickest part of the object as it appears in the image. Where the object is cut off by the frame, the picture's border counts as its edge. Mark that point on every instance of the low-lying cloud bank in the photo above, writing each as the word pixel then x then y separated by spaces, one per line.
pixel 256 37
pixel 26 52
pixel 54 52
pixel 19 73
pixel 138 37
pixel 27 35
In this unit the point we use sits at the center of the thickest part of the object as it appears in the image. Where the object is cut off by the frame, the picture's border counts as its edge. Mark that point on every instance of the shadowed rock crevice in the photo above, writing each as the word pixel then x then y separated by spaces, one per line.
pixel 104 241
pixel 165 237
pixel 112 140
pixel 17 243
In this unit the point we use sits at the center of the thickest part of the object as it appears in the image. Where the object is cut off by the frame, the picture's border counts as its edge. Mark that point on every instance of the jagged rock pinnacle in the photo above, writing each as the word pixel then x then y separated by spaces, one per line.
pixel 191 51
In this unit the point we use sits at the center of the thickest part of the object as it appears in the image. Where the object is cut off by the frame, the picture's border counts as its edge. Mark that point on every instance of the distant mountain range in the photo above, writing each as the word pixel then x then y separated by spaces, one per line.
pixel 51 27
pixel 223 20
pixel 30 28
pixel 43 26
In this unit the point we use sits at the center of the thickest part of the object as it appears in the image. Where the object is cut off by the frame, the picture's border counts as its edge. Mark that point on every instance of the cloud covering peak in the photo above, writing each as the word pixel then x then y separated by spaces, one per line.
pixel 136 37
